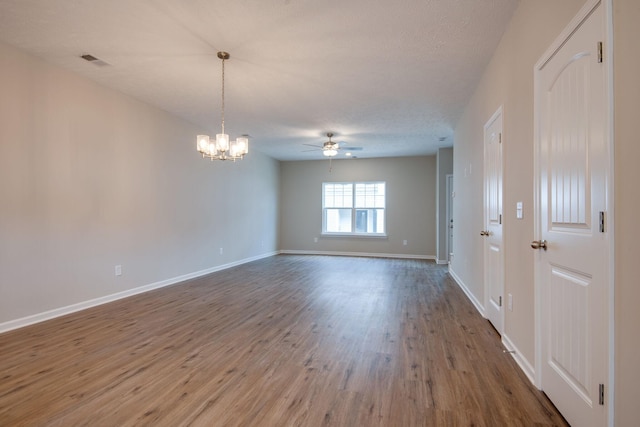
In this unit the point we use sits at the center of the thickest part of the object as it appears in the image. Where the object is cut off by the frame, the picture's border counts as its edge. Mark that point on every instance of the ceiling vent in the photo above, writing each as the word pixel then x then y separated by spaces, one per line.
pixel 96 61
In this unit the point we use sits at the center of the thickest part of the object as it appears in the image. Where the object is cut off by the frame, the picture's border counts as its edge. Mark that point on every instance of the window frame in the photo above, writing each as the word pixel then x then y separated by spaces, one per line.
pixel 353 208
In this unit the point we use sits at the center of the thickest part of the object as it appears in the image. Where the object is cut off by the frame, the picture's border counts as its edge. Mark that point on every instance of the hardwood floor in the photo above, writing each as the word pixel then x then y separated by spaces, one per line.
pixel 284 341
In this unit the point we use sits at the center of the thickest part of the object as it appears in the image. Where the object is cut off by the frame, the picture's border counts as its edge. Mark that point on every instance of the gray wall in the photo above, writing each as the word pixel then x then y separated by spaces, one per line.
pixel 90 179
pixel 411 199
pixel 626 34
pixel 445 167
pixel 508 81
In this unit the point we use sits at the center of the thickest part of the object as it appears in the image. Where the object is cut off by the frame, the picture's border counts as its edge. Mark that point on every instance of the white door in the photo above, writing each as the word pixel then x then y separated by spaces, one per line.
pixel 572 255
pixel 493 255
pixel 449 217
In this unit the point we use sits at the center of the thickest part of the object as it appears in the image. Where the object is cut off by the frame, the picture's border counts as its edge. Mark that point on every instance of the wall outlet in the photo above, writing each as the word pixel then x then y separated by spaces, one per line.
pixel 118 270
pixel 221 251
pixel 315 240
pixel 510 302
pixel 404 243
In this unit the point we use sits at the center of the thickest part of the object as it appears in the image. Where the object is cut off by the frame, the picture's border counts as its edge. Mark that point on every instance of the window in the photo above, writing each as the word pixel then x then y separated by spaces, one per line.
pixel 353 208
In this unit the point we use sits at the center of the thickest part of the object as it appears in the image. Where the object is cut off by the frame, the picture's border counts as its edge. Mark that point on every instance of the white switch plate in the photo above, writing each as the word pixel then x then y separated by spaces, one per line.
pixel 118 270
pixel 510 302
pixel 519 210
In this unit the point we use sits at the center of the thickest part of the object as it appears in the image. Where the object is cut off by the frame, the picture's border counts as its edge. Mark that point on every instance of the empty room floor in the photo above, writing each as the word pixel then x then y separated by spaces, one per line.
pixel 283 341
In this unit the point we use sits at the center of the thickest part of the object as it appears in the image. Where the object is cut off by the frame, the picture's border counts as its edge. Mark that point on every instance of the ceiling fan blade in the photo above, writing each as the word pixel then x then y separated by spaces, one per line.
pixel 313 145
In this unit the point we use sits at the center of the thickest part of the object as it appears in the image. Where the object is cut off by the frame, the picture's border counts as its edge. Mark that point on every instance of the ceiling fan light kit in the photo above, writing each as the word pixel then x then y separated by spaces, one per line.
pixel 330 148
pixel 221 148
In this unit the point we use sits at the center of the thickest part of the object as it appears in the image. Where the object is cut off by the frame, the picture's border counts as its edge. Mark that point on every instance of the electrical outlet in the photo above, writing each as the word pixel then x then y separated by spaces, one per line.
pixel 404 243
pixel 118 270
pixel 510 302
pixel 315 240
pixel 221 251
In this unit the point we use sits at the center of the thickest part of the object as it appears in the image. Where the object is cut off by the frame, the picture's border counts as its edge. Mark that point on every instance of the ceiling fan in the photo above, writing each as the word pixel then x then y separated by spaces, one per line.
pixel 330 148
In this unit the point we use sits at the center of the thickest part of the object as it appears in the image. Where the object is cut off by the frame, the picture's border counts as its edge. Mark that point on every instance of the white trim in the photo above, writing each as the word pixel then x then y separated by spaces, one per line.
pixel 62 311
pixel 537 230
pixel 356 235
pixel 442 261
pixel 475 301
pixel 353 209
pixel 608 70
pixel 522 361
pixel 357 254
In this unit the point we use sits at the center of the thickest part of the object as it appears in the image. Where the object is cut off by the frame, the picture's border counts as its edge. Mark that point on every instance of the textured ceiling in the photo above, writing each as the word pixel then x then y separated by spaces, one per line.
pixel 389 76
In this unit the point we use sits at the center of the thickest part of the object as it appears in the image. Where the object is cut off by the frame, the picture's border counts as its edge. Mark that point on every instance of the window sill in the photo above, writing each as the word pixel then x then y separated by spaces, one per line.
pixel 356 235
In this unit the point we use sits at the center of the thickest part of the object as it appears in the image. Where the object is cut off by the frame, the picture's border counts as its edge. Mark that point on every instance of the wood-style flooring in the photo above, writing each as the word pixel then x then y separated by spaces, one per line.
pixel 283 341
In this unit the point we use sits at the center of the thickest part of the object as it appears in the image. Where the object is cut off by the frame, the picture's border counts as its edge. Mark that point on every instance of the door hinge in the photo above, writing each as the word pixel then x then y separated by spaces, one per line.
pixel 601 394
pixel 500 138
pixel 600 54
pixel 500 302
pixel 602 218
pixel 500 219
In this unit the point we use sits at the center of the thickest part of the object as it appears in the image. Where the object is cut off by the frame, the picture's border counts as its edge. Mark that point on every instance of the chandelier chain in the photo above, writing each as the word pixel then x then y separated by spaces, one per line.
pixel 222 108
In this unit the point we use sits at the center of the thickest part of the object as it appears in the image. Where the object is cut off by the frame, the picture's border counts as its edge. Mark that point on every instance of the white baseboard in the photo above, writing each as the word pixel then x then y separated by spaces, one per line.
pixel 522 361
pixel 467 292
pixel 442 261
pixel 357 254
pixel 62 311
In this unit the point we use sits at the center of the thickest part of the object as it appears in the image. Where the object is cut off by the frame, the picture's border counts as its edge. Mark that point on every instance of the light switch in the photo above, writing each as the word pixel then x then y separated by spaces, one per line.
pixel 519 210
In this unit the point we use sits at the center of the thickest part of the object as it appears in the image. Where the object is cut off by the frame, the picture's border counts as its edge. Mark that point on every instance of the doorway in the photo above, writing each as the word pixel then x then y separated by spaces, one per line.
pixel 492 233
pixel 572 255
pixel 449 216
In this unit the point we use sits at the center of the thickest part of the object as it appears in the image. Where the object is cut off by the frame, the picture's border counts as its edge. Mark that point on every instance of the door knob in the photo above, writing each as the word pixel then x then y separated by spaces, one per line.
pixel 484 233
pixel 539 244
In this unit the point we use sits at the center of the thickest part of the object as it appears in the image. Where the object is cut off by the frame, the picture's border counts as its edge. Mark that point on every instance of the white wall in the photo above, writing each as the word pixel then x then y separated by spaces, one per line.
pixel 410 209
pixel 90 178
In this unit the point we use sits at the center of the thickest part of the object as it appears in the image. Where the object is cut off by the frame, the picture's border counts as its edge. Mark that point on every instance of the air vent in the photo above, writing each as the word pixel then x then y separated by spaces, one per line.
pixel 96 61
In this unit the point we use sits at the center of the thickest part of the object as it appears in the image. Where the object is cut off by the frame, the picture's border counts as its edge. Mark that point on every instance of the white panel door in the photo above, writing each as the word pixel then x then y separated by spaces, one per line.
pixel 449 217
pixel 493 256
pixel 572 255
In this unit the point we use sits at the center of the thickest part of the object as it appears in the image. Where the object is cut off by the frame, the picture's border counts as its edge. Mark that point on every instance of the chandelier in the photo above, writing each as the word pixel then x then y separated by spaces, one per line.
pixel 221 148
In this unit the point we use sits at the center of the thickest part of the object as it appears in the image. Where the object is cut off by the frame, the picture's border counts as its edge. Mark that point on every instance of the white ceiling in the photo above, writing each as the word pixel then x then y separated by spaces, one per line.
pixel 389 76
